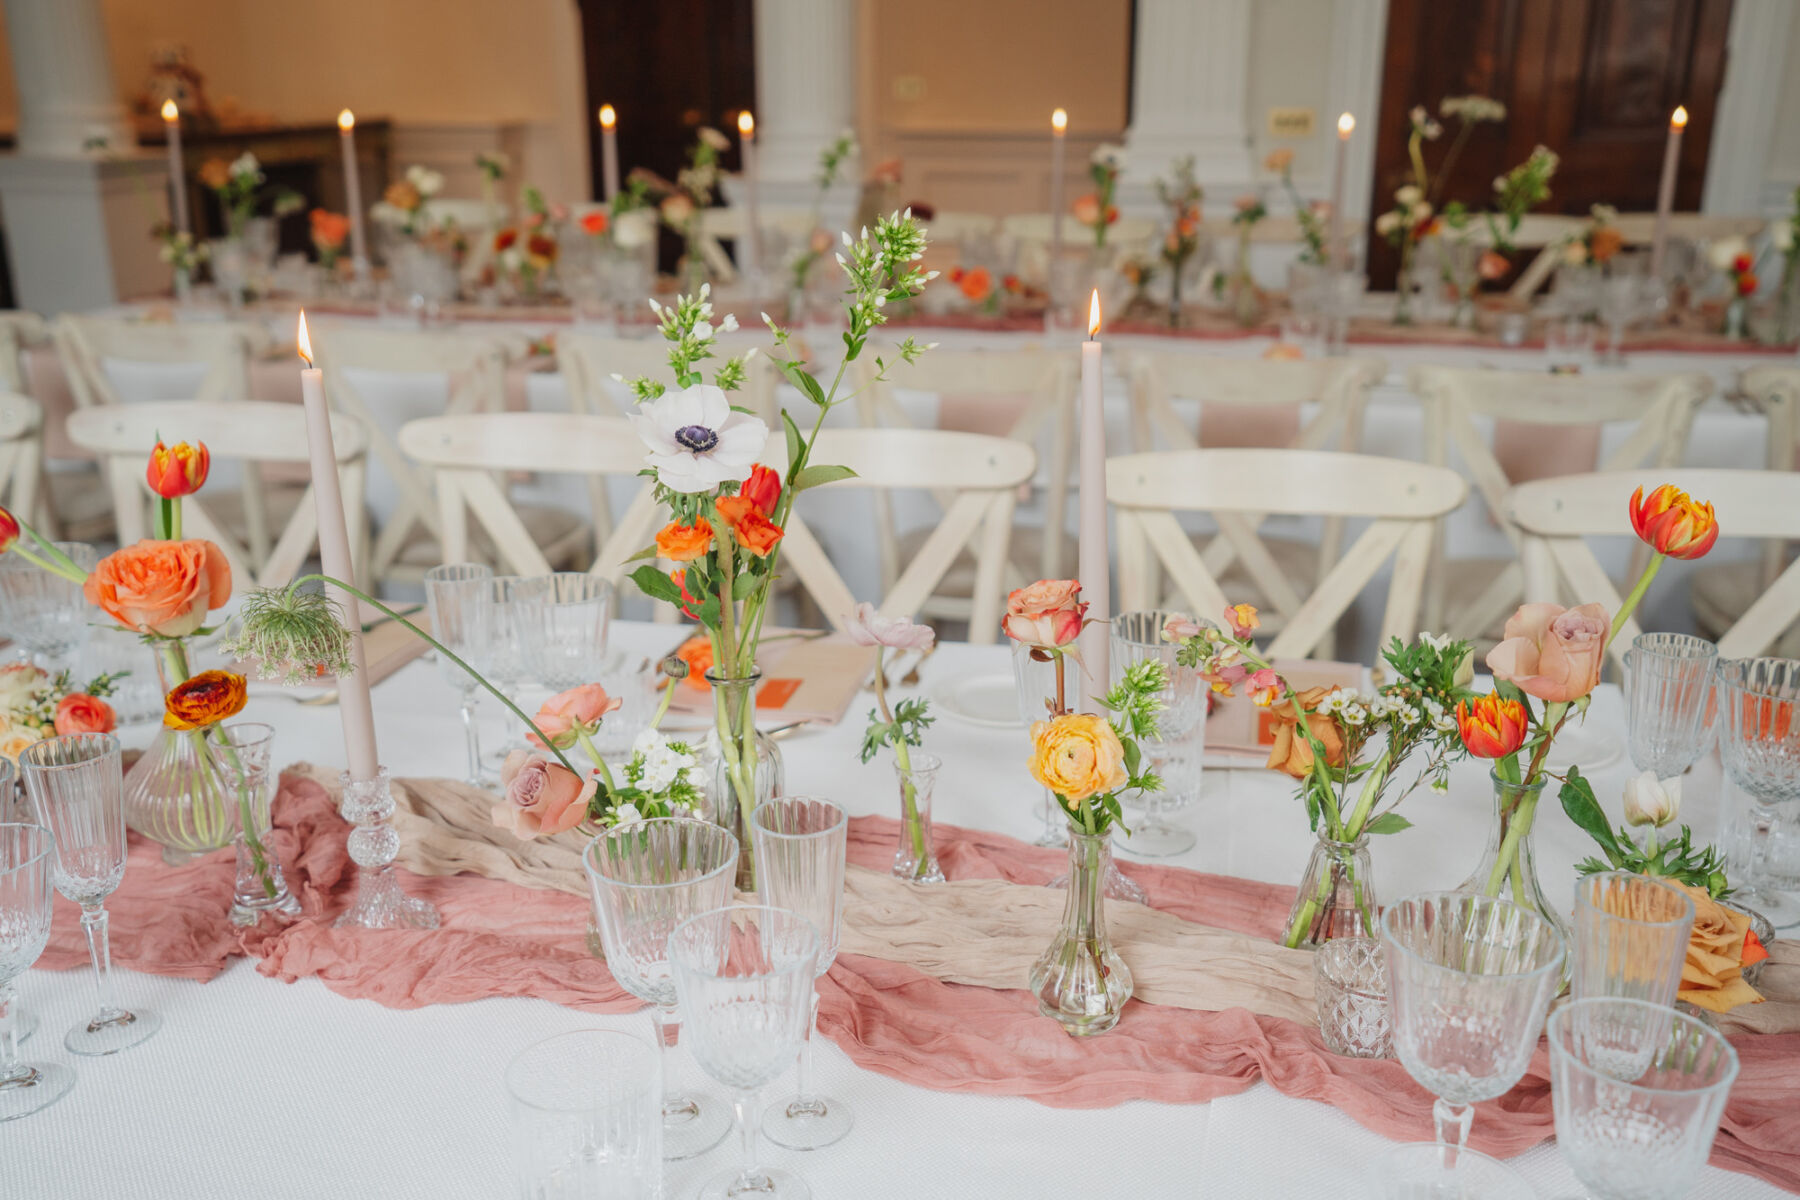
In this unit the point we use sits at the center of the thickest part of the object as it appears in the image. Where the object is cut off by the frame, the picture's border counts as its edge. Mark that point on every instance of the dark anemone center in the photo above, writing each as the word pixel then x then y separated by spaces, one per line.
pixel 697 438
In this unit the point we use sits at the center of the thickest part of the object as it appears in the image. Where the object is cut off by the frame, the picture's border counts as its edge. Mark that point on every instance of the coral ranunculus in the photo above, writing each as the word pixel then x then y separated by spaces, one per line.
pixel 1048 613
pixel 542 796
pixel 763 487
pixel 1551 652
pixel 684 543
pixel 206 699
pixel 1673 524
pixel 79 712
pixel 1292 753
pixel 1491 727
pixel 1077 755
pixel 178 470
pixel 753 531
pixel 165 588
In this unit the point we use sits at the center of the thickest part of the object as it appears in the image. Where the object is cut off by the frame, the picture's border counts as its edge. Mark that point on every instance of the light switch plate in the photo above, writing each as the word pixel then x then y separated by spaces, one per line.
pixel 1291 122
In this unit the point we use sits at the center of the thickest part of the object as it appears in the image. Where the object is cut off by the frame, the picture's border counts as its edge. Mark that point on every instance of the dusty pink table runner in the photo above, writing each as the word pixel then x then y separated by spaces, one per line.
pixel 499 939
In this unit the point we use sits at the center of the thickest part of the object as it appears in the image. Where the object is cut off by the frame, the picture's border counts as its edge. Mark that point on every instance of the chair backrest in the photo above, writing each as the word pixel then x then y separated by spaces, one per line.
pixel 250 432
pixel 19 330
pixel 21 454
pixel 1776 390
pixel 1403 499
pixel 222 349
pixel 588 361
pixel 1556 514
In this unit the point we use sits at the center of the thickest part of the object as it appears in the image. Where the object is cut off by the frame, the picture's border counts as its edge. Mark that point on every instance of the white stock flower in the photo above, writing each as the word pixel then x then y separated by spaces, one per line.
pixel 696 441
pixel 662 764
pixel 627 814
pixel 1652 801
pixel 1722 253
pixel 246 164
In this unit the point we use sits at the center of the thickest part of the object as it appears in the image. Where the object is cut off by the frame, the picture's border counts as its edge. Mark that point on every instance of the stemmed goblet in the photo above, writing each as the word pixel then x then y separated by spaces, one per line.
pixel 1668 681
pixel 1470 978
pixel 47 613
pixel 1759 739
pixel 77 789
pixel 460 598
pixel 1175 756
pixel 745 978
pixel 801 846
pixel 26 855
pixel 647 878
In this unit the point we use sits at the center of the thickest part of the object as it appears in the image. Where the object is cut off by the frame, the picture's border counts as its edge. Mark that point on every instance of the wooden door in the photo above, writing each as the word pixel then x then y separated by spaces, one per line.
pixel 1594 80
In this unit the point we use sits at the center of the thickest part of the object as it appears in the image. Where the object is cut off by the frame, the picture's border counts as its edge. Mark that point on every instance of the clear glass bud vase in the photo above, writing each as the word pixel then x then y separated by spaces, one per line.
pixel 915 860
pixel 174 795
pixel 1336 897
pixel 1080 982
pixel 740 765
pixel 1508 868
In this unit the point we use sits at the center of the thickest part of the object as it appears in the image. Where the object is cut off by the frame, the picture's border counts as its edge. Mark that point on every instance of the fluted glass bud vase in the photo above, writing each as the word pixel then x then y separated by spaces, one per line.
pixel 916 861
pixel 1080 982
pixel 173 794
pixel 741 766
pixel 1508 867
pixel 373 844
pixel 1336 898
pixel 242 753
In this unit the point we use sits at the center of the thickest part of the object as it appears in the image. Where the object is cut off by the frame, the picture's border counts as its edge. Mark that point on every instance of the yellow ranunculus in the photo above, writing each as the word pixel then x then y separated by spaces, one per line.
pixel 1077 755
pixel 15 742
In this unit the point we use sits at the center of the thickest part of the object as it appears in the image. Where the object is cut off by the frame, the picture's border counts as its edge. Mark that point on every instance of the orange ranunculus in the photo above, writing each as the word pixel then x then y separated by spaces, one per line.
pixel 403 195
pixel 1292 753
pixel 697 653
pixel 1605 242
pixel 976 283
pixel 165 588
pixel 207 698
pixel 684 543
pixel 543 797
pixel 1492 265
pixel 1491 727
pixel 79 712
pixel 753 531
pixel 1552 652
pixel 9 530
pixel 215 173
pixel 1047 613
pixel 1077 755
pixel 178 470
pixel 764 487
pixel 595 223
pixel 329 229
pixel 1672 523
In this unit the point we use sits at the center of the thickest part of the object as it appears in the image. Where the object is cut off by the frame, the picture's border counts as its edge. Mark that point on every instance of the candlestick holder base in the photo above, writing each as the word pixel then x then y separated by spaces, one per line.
pixel 381 903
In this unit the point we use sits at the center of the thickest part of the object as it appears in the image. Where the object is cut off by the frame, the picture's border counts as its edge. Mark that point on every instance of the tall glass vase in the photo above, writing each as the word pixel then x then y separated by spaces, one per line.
pixel 1336 897
pixel 916 861
pixel 1508 868
pixel 740 764
pixel 1080 982
pixel 174 794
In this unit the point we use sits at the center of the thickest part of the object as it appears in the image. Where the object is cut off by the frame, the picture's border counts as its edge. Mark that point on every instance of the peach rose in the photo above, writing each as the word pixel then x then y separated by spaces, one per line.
pixel 542 796
pixel 164 588
pixel 13 744
pixel 569 713
pixel 1048 613
pixel 1292 754
pixel 1551 652
pixel 79 712
pixel 1077 755
pixel 684 543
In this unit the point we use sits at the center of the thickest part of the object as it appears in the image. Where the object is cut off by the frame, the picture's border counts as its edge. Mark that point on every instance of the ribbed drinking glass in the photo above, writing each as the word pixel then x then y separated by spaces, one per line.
pixel 587 1118
pixel 27 855
pixel 1631 937
pixel 1668 680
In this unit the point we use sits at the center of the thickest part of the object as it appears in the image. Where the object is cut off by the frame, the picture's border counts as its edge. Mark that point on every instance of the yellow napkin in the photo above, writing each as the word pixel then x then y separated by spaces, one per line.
pixel 1712 977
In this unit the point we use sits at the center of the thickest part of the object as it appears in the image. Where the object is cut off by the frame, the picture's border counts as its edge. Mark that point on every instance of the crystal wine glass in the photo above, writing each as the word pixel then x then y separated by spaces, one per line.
pixel 800 848
pixel 1631 937
pixel 648 877
pixel 47 614
pixel 460 598
pixel 1470 978
pixel 562 629
pixel 1175 756
pixel 26 855
pixel 77 789
pixel 745 977
pixel 1642 1132
pixel 1759 739
pixel 1669 678
pixel 587 1117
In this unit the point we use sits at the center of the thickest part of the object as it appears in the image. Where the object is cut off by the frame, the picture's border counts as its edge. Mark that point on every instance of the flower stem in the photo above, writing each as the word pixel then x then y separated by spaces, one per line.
pixel 1631 601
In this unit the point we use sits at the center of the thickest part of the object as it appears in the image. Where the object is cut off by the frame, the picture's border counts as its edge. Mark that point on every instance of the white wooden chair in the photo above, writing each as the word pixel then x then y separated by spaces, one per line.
pixel 1555 515
pixel 1404 499
pixel 21 455
pixel 1470 598
pixel 247 432
pixel 473 367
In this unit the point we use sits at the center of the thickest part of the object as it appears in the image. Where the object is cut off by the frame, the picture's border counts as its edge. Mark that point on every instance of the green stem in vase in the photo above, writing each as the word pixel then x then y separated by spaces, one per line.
pixel 909 797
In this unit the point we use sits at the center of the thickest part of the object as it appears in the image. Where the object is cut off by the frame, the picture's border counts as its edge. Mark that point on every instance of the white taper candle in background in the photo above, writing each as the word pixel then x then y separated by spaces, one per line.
pixel 752 227
pixel 1059 128
pixel 177 171
pixel 354 703
pixel 359 245
pixel 1094 562
pixel 1337 248
pixel 609 153
pixel 1665 191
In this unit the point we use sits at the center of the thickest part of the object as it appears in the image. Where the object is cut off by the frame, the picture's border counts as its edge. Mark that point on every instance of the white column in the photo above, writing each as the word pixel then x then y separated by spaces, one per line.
pixel 805 98
pixel 1744 121
pixel 1188 97
pixel 62 74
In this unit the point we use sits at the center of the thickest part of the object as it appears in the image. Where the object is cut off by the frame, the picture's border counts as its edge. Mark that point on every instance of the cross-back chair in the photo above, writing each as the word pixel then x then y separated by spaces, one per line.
pixel 21 455
pixel 1403 500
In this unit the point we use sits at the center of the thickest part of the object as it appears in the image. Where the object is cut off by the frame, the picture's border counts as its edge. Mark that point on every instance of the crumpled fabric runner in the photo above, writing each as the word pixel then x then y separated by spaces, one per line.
pixel 520 932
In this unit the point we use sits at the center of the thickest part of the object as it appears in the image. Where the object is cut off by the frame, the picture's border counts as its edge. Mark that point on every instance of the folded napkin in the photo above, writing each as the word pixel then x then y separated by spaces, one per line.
pixel 1713 975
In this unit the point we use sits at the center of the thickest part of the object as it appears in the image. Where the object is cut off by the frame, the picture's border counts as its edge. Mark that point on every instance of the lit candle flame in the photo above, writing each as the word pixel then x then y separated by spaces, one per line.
pixel 746 124
pixel 1059 121
pixel 1346 125
pixel 346 121
pixel 170 113
pixel 608 118
pixel 304 342
pixel 1094 314
pixel 1679 118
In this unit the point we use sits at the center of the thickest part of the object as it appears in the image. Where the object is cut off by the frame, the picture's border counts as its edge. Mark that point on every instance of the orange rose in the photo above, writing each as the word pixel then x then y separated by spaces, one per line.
pixel 1077 755
pixel 178 470
pixel 504 240
pixel 684 543
pixel 1552 652
pixel 697 653
pixel 215 173
pixel 567 715
pixel 1492 727
pixel 976 283
pixel 329 229
pixel 165 588
pixel 79 712
pixel 1672 523
pixel 1292 754
pixel 753 531
pixel 1747 283
pixel 206 699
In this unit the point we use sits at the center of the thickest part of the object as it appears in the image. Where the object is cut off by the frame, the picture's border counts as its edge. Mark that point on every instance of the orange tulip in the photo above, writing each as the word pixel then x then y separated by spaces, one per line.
pixel 764 487
pixel 1673 524
pixel 178 470
pixel 207 698
pixel 1492 727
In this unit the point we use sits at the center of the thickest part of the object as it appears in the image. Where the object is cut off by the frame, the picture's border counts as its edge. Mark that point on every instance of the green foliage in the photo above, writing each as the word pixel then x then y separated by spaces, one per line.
pixel 1675 858
pixel 907 727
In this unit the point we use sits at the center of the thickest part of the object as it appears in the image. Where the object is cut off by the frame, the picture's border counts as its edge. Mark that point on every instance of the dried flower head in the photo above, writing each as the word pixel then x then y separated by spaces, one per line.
pixel 291 635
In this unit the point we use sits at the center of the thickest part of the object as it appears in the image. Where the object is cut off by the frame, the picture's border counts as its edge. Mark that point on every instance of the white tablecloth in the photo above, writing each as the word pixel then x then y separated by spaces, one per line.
pixel 257 1088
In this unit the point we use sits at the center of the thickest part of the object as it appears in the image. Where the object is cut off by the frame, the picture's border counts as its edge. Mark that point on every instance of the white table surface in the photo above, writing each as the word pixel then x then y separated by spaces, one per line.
pixel 258 1088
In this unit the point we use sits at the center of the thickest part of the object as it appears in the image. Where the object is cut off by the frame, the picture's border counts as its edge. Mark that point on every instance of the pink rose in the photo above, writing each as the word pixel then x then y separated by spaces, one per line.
pixel 1048 613
pixel 1551 652
pixel 575 711
pixel 542 796
pixel 866 627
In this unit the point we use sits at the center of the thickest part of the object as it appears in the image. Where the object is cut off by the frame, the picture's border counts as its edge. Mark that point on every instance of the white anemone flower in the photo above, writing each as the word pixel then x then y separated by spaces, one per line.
pixel 696 441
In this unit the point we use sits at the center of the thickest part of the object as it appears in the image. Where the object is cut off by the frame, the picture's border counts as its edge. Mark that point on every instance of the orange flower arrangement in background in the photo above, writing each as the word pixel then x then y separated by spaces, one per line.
pixel 206 699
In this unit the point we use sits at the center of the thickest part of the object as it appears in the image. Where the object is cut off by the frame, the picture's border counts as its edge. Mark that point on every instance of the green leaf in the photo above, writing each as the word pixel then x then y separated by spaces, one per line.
pixel 1388 822
pixel 1578 801
pixel 796 444
pixel 796 375
pixel 1133 756
pixel 811 477
pixel 646 553
pixel 654 584
pixel 743 585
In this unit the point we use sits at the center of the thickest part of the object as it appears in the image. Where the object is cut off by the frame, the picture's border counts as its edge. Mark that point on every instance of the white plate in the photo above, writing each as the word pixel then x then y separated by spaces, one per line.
pixel 1589 749
pixel 987 700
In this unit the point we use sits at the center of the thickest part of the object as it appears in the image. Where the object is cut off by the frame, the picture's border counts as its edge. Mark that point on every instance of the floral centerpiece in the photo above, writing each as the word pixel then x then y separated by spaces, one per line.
pixel 1096 209
pixel 425 254
pixel 1181 196
pixel 983 292
pixel 1732 258
pixel 410 196
pixel 526 253
pixel 1515 193
pixel 1310 216
pixel 329 231
pixel 683 203
pixel 239 186
pixel 901 726
pixel 35 704
pixel 728 512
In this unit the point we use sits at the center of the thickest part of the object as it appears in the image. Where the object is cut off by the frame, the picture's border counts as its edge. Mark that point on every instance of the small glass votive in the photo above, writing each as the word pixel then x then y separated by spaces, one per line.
pixel 1350 985
pixel 587 1117
pixel 1631 937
